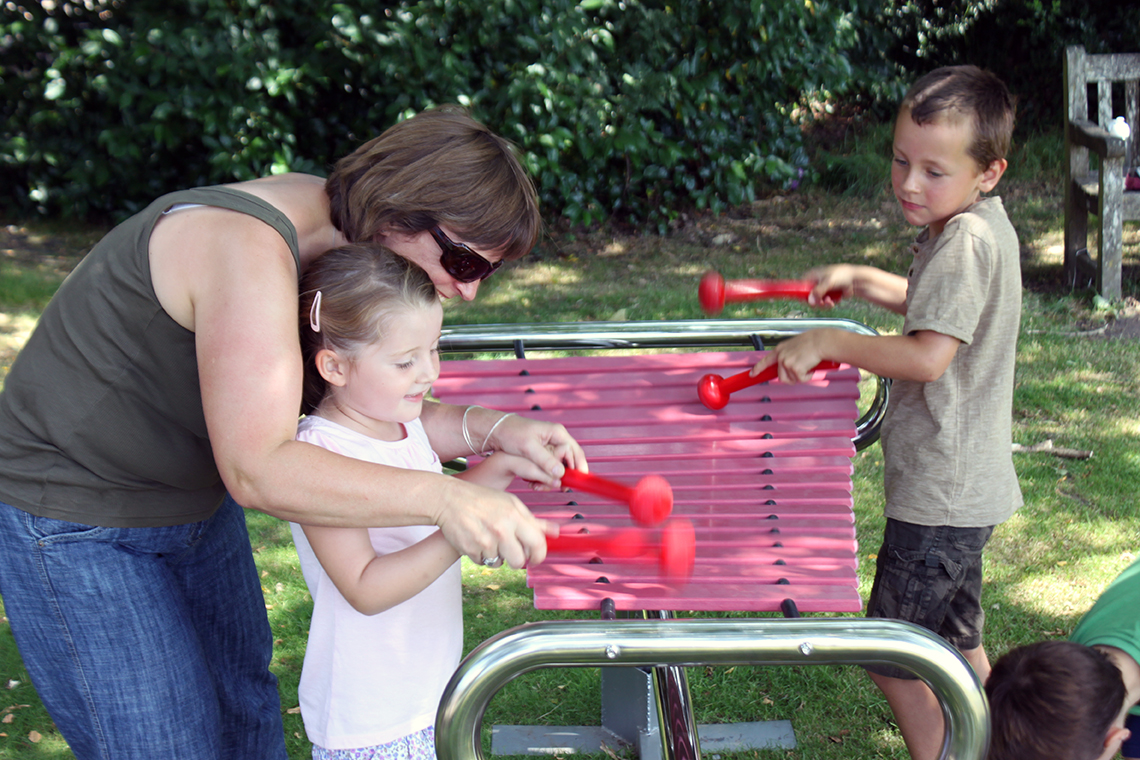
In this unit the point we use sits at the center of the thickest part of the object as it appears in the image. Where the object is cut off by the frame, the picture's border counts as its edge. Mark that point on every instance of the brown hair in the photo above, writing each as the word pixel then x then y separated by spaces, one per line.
pixel 361 287
pixel 958 92
pixel 1054 699
pixel 438 167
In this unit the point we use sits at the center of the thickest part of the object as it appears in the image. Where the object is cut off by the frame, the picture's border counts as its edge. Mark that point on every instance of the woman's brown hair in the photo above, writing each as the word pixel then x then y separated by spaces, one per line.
pixel 438 167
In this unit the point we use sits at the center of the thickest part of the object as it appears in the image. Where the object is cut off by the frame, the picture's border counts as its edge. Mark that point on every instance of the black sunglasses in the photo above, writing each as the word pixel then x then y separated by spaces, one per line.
pixel 459 261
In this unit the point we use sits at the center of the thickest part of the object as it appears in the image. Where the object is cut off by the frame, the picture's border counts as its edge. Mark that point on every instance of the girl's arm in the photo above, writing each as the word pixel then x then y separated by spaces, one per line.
pixel 372 583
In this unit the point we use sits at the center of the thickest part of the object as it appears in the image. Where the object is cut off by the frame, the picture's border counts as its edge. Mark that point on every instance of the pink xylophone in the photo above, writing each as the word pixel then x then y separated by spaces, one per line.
pixel 764 481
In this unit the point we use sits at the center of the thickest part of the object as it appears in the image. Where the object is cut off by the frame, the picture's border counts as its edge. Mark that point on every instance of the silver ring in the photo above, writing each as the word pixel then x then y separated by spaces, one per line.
pixel 491 561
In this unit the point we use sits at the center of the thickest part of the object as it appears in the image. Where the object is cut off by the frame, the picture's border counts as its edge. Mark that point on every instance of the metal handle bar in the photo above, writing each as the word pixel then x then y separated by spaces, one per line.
pixel 638 643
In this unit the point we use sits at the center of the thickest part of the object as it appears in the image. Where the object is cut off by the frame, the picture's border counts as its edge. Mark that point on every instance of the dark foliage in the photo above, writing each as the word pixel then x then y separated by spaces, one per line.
pixel 631 110
pixel 623 108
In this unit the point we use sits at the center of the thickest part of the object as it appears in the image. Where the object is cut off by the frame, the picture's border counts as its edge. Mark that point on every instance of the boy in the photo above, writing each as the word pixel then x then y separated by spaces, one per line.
pixel 946 437
pixel 1070 700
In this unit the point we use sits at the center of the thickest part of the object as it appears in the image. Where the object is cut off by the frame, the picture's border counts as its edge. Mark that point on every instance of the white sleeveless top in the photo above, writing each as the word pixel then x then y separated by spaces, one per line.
pixel 369 680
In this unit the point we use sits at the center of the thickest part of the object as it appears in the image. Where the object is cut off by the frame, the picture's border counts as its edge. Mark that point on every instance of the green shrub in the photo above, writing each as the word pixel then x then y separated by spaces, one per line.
pixel 623 108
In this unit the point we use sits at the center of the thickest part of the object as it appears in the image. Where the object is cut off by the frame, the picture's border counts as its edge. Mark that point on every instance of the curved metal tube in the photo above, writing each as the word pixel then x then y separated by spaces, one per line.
pixel 694 333
pixel 800 641
pixel 647 334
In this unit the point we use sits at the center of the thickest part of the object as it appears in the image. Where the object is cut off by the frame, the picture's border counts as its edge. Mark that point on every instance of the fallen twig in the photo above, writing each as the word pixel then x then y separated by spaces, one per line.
pixel 1048 447
pixel 1096 332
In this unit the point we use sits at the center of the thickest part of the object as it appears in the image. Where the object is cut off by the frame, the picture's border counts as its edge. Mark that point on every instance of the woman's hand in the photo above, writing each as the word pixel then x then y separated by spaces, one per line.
pixel 493 527
pixel 548 446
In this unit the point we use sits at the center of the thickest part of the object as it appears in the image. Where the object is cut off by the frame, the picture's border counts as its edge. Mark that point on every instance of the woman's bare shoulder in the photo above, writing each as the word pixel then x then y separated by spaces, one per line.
pixel 284 191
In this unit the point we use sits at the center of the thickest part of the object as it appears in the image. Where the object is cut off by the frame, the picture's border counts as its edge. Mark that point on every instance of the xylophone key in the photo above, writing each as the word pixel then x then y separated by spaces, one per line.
pixel 674 550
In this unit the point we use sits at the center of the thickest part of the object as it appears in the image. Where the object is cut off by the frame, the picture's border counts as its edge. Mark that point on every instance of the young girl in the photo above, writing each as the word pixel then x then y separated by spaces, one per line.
pixel 387 627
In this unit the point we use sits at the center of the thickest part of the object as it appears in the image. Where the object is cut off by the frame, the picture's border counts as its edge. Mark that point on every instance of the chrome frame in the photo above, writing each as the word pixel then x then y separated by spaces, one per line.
pixel 696 333
pixel 656 643
pixel 667 644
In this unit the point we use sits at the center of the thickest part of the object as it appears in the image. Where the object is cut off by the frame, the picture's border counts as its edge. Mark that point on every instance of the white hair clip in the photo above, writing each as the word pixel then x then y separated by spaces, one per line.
pixel 315 313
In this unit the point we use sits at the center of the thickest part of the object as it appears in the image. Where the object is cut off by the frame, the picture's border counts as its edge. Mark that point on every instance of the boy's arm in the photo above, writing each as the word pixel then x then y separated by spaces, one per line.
pixel 921 356
pixel 873 285
pixel 373 583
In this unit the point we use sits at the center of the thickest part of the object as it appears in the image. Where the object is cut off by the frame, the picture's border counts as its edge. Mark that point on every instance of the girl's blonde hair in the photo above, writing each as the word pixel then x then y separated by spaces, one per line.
pixel 360 287
pixel 438 167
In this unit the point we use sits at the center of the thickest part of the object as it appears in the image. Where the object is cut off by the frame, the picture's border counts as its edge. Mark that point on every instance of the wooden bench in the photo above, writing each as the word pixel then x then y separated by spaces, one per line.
pixel 1098 187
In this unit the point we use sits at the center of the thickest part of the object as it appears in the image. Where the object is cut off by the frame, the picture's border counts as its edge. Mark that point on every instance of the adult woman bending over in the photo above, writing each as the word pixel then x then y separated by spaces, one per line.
pixel 161 390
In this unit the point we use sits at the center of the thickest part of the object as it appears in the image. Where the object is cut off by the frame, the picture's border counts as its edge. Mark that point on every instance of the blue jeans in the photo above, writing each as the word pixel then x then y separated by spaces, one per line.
pixel 144 643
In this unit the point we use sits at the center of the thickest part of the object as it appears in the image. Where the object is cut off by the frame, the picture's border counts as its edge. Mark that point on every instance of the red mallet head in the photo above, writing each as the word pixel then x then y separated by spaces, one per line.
pixel 714 390
pixel 711 293
pixel 678 550
pixel 708 388
pixel 652 500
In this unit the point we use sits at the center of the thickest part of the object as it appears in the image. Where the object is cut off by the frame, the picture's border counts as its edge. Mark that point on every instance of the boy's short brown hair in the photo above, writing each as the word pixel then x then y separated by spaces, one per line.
pixel 438 167
pixel 1054 699
pixel 966 92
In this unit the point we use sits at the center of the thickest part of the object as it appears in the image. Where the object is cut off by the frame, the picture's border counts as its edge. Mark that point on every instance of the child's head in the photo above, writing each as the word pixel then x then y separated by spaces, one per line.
pixel 351 297
pixel 950 140
pixel 965 94
pixel 1053 699
pixel 440 167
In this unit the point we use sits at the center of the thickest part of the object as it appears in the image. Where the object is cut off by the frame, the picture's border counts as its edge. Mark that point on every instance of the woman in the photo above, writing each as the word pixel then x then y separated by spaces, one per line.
pixel 161 389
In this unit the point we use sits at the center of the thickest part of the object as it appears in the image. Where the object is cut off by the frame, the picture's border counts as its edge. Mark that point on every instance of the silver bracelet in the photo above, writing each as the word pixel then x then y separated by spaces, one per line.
pixel 491 432
pixel 466 432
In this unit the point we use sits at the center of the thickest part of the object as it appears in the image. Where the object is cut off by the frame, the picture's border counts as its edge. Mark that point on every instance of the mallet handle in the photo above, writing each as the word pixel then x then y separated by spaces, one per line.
pixel 595 484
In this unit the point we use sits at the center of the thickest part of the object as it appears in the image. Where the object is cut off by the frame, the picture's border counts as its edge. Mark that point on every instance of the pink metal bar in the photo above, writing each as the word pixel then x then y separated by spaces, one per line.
pixel 698 597
pixel 699 362
pixel 563 572
pixel 765 482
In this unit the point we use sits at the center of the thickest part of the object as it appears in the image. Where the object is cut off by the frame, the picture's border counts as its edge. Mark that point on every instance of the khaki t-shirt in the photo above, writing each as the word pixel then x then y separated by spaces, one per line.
pixel 947 443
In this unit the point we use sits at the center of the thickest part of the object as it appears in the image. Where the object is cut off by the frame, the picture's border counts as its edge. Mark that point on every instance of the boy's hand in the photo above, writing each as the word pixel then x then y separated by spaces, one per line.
pixel 830 279
pixel 797 356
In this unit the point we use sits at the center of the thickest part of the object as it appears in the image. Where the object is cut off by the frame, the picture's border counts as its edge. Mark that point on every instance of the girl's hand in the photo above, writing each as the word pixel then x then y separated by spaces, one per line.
pixel 498 470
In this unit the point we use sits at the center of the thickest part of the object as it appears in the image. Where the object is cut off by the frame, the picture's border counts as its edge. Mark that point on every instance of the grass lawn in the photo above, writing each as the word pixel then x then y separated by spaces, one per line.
pixel 1077 385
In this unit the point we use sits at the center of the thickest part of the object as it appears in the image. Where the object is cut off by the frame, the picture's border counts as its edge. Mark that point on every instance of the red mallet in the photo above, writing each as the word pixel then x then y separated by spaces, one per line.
pixel 714 390
pixel 675 550
pixel 714 291
pixel 650 501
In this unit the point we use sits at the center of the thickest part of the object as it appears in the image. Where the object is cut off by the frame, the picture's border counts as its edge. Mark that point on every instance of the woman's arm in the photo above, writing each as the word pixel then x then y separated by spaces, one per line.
pixel 373 583
pixel 232 280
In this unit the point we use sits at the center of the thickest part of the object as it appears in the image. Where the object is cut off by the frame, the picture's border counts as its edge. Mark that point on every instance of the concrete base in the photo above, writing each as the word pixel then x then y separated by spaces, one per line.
pixel 631 718
pixel 572 740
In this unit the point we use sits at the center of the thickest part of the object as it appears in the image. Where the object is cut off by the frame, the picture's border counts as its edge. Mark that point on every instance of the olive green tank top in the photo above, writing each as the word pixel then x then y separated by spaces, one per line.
pixel 101 418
